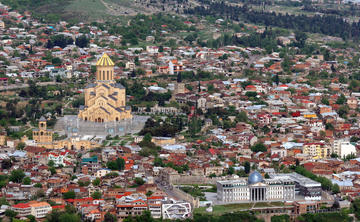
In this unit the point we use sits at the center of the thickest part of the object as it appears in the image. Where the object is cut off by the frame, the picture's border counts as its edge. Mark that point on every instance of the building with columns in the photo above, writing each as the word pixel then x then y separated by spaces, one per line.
pixel 279 187
pixel 105 100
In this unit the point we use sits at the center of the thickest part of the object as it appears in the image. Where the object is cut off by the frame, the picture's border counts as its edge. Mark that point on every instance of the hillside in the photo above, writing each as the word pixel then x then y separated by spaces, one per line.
pixel 86 10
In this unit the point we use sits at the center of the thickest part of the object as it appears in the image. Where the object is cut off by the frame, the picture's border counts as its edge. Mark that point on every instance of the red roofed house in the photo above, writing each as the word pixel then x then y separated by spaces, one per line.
pixel 134 208
pixel 23 209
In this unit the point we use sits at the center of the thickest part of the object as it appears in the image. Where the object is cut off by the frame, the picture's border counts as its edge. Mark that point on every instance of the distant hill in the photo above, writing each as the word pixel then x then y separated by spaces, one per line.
pixel 83 10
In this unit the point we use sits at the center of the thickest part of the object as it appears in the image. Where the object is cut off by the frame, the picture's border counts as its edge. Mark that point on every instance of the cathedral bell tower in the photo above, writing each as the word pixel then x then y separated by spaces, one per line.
pixel 105 69
pixel 42 123
pixel 179 86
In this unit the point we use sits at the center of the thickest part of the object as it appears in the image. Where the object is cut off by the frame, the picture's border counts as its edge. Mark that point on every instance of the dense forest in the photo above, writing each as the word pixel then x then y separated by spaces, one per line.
pixel 328 24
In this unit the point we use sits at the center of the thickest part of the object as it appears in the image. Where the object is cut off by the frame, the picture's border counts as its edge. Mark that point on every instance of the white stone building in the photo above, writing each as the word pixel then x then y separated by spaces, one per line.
pixel 279 187
pixel 256 189
pixel 343 148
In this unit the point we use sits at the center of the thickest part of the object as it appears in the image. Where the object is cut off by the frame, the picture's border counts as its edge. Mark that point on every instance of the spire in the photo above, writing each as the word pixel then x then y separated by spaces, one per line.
pixel 179 79
pixel 105 68
pixel 105 61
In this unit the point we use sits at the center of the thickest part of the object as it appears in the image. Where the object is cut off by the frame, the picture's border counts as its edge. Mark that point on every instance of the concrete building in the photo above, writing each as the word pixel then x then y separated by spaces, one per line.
pixel 304 187
pixel 343 148
pixel 35 208
pixel 256 189
pixel 23 209
pixel 40 209
pixel 176 210
pixel 279 187
pixel 316 150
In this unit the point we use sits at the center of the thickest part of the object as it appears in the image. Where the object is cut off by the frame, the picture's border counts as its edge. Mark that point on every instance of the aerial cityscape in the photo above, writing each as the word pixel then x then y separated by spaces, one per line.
pixel 179 110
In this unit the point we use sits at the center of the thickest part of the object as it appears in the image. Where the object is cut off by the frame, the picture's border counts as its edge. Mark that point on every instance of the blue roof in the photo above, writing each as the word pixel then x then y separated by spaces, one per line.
pixel 255 177
pixel 90 160
pixel 344 183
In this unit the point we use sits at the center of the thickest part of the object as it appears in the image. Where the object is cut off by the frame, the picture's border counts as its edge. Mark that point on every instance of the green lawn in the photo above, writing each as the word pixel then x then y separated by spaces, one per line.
pixel 262 205
pixel 89 9
pixel 222 209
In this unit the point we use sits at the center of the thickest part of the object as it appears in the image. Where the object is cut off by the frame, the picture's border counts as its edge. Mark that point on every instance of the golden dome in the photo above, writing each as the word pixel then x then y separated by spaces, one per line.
pixel 105 61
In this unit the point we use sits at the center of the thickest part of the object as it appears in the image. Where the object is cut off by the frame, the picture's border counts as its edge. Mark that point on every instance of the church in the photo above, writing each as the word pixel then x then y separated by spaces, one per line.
pixel 105 100
pixel 42 135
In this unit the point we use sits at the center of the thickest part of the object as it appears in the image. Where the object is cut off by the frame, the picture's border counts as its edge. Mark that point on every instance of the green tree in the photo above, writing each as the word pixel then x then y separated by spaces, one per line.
pixel 6 164
pixel 52 170
pixel 280 218
pixel 149 193
pixel 51 163
pixel 259 147
pixel 56 61
pixel 110 218
pixel 194 126
pixel 355 206
pixel 231 170
pixel 335 188
pixel 38 185
pixel 247 167
pixel 10 213
pixel 325 101
pixel 69 218
pixel 118 164
pixel 96 195
pixel 82 41
pixel 334 155
pixel 20 146
pixel 31 218
pixel 96 182
pixel 354 139
pixel 341 99
pixel 251 94
pixel 17 176
pixel 27 181
pixel 3 201
pixel 69 195
pixel 139 181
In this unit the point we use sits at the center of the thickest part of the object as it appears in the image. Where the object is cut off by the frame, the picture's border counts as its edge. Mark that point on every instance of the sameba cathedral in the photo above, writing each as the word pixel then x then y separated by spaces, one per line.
pixel 105 100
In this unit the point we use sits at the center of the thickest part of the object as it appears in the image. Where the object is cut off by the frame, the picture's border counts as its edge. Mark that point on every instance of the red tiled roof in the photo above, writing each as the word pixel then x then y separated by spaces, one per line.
pixel 21 205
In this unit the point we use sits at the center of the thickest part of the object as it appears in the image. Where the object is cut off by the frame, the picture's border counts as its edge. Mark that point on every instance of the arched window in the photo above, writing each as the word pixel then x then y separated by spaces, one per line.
pixel 108 75
pixel 85 119
pixel 117 118
pixel 103 75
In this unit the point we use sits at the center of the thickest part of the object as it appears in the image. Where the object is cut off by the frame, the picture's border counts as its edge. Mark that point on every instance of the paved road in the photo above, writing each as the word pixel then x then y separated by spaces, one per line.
pixel 25 85
pixel 166 188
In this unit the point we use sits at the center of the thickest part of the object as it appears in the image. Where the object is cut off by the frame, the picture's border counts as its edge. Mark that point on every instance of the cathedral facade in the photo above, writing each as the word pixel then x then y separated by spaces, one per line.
pixel 105 100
